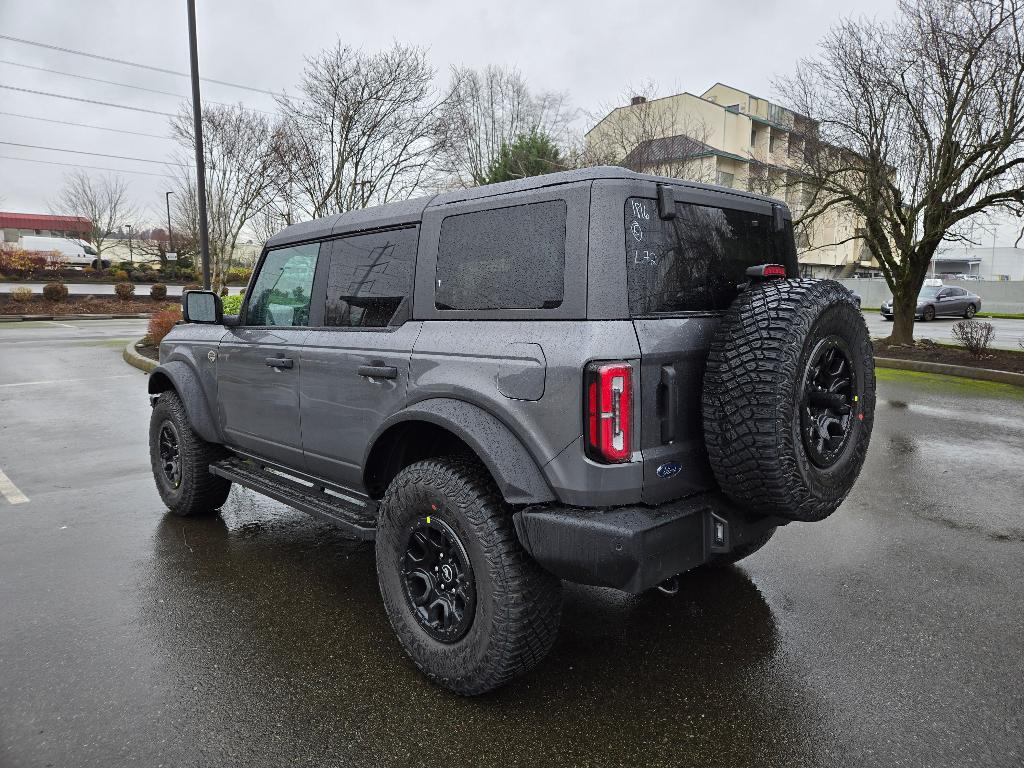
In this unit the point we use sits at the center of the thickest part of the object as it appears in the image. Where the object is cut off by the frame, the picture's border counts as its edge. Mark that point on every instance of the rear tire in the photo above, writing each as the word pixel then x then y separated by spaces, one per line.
pixel 181 461
pixel 789 398
pixel 499 616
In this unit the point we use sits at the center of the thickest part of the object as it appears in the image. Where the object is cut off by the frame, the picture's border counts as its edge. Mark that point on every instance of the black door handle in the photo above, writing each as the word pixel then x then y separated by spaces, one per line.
pixel 280 362
pixel 378 371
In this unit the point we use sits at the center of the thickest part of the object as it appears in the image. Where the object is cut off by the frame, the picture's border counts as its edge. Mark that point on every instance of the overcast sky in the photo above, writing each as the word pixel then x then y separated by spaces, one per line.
pixel 590 50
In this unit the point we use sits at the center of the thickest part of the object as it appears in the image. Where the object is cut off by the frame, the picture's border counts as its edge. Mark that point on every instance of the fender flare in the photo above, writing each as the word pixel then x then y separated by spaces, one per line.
pixel 513 468
pixel 180 377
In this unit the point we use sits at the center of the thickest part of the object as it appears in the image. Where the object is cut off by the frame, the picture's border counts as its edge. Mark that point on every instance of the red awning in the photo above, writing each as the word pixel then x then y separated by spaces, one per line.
pixel 44 221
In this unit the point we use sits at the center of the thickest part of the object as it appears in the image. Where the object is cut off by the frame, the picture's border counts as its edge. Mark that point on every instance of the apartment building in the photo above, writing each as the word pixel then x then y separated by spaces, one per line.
pixel 730 138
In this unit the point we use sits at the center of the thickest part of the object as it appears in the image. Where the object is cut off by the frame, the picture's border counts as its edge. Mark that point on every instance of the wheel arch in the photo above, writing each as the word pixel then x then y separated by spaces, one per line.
pixel 179 377
pixel 442 425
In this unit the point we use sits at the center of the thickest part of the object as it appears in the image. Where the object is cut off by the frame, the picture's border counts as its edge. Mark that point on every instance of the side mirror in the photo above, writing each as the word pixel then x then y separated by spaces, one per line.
pixel 202 307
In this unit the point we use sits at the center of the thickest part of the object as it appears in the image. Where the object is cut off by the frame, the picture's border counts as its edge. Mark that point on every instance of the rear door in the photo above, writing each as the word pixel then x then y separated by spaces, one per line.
pixel 681 273
pixel 258 363
pixel 356 365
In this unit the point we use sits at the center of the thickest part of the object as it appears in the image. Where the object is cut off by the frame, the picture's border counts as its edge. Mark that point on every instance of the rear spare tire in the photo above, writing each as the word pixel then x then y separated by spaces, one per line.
pixel 789 398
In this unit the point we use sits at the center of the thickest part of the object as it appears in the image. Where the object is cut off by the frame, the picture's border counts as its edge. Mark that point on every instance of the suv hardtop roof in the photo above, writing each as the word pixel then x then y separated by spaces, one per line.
pixel 411 211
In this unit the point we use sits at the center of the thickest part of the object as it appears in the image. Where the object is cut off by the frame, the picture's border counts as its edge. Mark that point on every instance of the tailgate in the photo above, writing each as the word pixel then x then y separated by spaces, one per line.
pixel 673 354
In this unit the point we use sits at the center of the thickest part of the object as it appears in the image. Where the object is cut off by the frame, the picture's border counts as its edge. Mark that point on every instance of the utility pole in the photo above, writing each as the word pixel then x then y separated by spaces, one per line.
pixel 131 255
pixel 170 237
pixel 197 118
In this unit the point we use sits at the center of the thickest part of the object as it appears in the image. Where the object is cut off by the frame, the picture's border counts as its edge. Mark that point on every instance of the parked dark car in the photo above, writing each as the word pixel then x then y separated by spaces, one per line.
pixel 940 301
pixel 595 376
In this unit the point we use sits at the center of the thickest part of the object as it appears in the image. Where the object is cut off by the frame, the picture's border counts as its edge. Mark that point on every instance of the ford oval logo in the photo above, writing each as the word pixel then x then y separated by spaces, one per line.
pixel 669 469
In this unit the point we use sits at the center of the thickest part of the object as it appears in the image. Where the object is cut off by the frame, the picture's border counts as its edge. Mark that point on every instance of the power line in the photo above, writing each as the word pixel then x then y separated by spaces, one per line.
pixel 94 154
pixel 133 64
pixel 122 85
pixel 86 101
pixel 77 165
pixel 86 125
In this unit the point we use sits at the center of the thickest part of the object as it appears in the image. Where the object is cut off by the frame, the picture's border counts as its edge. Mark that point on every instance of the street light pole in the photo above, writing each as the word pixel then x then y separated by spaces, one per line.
pixel 197 119
pixel 131 254
pixel 170 237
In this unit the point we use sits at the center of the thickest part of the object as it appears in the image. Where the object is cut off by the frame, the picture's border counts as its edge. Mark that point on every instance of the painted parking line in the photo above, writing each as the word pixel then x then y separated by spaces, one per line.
pixel 65 381
pixel 10 491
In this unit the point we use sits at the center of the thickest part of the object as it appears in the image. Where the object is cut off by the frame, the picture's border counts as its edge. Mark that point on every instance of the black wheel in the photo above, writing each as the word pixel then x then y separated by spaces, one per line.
pixel 789 398
pixel 181 461
pixel 469 606
pixel 970 311
pixel 739 553
pixel 928 314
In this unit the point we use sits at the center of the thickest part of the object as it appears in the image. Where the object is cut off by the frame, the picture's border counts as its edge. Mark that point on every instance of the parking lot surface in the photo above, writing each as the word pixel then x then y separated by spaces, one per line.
pixel 1008 333
pixel 890 634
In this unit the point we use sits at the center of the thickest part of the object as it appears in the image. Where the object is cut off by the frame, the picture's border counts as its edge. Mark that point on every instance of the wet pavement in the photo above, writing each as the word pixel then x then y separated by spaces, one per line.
pixel 1008 333
pixel 890 634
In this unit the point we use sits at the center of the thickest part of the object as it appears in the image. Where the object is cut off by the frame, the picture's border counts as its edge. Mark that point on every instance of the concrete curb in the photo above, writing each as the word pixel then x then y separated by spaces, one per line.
pixel 963 371
pixel 30 318
pixel 136 360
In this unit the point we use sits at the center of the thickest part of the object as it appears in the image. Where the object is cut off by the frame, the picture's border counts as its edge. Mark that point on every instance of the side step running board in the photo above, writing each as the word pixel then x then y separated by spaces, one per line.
pixel 354 512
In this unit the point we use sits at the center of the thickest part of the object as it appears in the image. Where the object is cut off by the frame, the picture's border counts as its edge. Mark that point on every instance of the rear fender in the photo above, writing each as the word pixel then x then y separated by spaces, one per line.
pixel 513 468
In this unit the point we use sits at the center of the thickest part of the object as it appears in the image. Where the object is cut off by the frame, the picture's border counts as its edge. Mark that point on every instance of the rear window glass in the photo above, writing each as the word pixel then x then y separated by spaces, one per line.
pixel 505 258
pixel 696 261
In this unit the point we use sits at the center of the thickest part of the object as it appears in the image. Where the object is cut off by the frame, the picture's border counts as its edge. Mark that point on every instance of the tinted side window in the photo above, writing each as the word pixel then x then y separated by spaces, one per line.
pixel 280 294
pixel 505 258
pixel 369 277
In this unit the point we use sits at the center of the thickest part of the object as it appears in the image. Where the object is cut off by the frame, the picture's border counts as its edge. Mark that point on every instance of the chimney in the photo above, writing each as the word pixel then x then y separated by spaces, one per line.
pixel 637 100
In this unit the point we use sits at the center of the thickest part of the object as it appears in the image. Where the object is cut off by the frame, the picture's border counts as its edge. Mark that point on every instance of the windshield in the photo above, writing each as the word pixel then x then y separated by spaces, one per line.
pixel 697 261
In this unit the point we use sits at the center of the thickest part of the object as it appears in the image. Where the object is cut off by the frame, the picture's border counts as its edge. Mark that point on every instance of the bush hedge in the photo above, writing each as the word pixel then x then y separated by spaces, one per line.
pixel 158 292
pixel 55 291
pixel 125 291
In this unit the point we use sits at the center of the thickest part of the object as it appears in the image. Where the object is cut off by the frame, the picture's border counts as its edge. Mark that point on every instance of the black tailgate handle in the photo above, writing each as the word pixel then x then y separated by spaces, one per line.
pixel 378 371
pixel 670 390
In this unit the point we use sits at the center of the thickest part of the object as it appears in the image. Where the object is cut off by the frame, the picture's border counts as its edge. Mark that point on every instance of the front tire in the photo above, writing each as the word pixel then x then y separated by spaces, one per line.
pixel 469 606
pixel 928 314
pixel 970 311
pixel 181 461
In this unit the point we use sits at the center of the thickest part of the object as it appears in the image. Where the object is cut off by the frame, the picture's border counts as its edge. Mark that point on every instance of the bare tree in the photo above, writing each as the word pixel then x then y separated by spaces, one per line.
pixel 240 155
pixel 103 200
pixel 649 135
pixel 916 126
pixel 364 130
pixel 491 108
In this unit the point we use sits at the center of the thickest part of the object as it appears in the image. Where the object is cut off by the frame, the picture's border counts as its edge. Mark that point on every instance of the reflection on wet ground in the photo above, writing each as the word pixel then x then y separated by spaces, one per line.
pixel 889 634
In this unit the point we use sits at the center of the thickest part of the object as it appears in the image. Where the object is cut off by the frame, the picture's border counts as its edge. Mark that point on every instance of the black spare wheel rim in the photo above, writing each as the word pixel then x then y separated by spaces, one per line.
pixel 170 453
pixel 827 403
pixel 438 580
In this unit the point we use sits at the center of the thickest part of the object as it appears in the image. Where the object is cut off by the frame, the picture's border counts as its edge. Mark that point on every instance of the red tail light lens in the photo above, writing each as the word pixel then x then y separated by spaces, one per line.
pixel 608 389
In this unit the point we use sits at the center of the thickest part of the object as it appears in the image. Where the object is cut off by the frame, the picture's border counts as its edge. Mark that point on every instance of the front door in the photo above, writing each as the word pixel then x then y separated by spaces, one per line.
pixel 259 363
pixel 355 369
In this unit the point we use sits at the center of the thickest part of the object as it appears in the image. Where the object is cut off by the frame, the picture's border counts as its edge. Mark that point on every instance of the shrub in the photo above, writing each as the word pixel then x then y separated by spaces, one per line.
pixel 89 270
pixel 124 291
pixel 192 287
pixel 160 324
pixel 974 335
pixel 237 276
pixel 55 291
pixel 19 263
pixel 21 294
pixel 137 275
pixel 119 274
pixel 224 290
pixel 158 292
pixel 232 305
pixel 241 291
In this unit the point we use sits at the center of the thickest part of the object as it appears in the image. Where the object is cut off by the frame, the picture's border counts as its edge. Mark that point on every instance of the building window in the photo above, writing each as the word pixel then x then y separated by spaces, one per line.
pixel 772 140
pixel 724 179
pixel 753 137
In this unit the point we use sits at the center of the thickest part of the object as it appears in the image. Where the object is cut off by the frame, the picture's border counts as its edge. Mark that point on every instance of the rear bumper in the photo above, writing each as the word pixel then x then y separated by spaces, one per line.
pixel 637 547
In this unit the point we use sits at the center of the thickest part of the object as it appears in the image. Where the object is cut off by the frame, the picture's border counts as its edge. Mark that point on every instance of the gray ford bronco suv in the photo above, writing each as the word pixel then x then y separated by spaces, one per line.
pixel 598 376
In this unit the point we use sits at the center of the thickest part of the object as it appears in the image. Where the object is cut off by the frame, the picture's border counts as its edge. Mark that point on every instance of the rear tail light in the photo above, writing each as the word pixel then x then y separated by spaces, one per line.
pixel 608 403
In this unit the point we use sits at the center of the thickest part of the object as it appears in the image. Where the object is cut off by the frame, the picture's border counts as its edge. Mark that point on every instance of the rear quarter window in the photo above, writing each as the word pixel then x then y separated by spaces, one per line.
pixel 503 258
pixel 696 261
